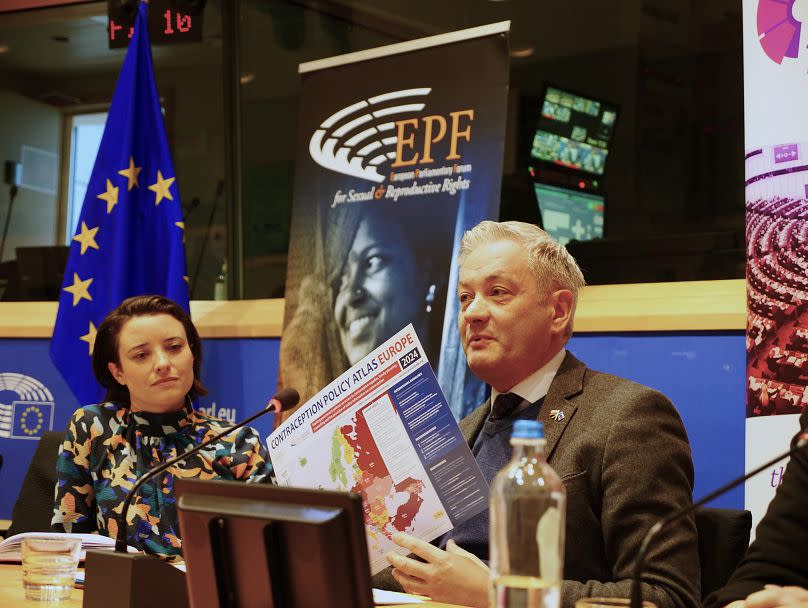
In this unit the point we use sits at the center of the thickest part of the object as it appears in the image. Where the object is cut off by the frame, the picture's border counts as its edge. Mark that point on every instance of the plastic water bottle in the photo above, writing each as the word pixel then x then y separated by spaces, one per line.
pixel 528 501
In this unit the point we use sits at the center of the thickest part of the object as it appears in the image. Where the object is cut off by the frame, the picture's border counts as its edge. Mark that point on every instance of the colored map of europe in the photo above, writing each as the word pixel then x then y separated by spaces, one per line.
pixel 357 464
pixel 378 462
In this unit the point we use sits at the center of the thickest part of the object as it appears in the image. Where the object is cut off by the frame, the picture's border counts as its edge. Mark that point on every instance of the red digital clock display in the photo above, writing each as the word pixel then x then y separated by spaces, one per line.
pixel 167 24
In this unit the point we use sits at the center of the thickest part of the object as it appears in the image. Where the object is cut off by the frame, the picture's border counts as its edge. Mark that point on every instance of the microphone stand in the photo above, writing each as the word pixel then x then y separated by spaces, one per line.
pixel 120 540
pixel 139 579
pixel 12 194
pixel 639 564
pixel 217 196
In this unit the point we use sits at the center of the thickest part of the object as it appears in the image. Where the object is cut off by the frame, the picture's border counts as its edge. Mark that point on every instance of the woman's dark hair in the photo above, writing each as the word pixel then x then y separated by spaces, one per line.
pixel 429 241
pixel 107 341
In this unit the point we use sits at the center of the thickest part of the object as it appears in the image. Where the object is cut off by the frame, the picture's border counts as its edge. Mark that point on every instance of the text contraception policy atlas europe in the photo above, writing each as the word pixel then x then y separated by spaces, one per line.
pixel 384 430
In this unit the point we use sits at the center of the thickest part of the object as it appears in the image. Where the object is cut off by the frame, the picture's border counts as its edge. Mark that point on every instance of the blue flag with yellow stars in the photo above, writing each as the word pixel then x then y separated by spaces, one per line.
pixel 129 238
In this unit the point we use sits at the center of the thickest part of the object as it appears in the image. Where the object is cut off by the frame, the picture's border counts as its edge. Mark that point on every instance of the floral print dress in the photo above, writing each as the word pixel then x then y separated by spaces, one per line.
pixel 107 447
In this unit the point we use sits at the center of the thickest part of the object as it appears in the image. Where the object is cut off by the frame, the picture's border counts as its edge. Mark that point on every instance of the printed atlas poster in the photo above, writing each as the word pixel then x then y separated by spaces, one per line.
pixel 383 430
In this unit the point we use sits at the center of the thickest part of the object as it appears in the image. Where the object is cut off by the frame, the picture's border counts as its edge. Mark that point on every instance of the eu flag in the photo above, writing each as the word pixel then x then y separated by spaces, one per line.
pixel 31 419
pixel 129 238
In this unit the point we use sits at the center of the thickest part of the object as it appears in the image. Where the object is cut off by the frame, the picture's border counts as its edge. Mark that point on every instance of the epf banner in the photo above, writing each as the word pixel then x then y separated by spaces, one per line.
pixel 399 152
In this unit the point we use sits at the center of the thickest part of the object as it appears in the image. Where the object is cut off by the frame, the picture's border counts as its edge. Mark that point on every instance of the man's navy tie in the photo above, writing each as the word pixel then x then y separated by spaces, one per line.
pixel 505 405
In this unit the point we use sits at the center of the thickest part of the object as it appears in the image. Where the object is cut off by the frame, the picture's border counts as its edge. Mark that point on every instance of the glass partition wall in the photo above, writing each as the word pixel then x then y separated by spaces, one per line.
pixel 649 89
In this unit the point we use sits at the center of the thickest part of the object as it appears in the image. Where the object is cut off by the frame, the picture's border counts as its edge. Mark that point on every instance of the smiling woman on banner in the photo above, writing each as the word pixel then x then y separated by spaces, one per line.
pixel 383 265
pixel 147 355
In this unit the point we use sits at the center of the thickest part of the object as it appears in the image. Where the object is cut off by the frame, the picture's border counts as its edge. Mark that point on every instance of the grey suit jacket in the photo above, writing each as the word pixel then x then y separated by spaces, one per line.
pixel 623 453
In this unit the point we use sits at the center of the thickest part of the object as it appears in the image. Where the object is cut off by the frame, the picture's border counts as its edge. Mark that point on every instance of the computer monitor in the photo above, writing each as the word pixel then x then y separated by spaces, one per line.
pixel 573 131
pixel 251 545
pixel 42 270
pixel 568 215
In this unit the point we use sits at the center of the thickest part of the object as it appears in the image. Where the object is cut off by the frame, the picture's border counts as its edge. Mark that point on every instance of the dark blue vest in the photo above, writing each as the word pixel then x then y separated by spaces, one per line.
pixel 492 450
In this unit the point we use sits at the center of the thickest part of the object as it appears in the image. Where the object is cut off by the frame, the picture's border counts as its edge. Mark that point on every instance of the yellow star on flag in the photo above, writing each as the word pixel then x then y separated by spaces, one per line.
pixel 160 188
pixel 87 238
pixel 111 196
pixel 131 174
pixel 89 337
pixel 80 289
pixel 181 226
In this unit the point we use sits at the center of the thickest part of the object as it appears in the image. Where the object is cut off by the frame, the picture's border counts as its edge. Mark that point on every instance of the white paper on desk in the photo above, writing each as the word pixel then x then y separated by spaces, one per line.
pixel 384 430
pixel 382 597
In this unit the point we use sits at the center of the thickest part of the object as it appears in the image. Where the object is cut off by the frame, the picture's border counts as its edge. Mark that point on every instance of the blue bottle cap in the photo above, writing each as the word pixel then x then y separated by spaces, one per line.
pixel 528 429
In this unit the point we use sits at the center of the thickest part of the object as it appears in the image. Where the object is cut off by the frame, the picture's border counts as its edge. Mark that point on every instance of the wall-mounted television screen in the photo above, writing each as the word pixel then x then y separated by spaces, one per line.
pixel 573 131
pixel 568 215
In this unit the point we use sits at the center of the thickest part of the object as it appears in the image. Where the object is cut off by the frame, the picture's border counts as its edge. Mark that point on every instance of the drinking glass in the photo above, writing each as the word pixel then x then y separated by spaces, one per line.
pixel 49 567
pixel 609 602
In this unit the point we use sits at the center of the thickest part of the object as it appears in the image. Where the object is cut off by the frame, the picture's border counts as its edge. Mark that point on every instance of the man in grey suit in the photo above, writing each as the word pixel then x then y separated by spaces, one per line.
pixel 620 447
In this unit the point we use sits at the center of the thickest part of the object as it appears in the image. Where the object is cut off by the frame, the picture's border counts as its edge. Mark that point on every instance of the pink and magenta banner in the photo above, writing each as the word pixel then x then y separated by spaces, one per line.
pixel 776 173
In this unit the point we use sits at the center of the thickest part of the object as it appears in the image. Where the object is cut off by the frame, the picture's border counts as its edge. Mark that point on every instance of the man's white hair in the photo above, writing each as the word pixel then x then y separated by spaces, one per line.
pixel 549 261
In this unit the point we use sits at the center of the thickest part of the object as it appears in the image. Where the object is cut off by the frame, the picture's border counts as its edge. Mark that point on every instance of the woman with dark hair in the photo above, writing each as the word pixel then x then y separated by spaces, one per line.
pixel 381 285
pixel 147 355
pixel 373 268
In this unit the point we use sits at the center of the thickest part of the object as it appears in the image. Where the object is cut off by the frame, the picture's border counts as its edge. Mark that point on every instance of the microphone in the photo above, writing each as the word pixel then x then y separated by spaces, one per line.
pixel 639 564
pixel 283 400
pixel 139 578
pixel 186 212
pixel 216 197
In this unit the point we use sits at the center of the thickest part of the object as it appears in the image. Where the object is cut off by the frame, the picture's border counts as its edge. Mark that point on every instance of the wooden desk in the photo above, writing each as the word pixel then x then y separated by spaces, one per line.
pixel 12 594
pixel 682 306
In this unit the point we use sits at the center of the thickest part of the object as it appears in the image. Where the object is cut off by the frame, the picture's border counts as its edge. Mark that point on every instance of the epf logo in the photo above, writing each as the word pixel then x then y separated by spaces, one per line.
pixel 388 128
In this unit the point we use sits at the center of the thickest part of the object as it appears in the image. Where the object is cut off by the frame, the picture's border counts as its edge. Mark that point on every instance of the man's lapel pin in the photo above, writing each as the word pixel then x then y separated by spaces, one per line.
pixel 557 415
